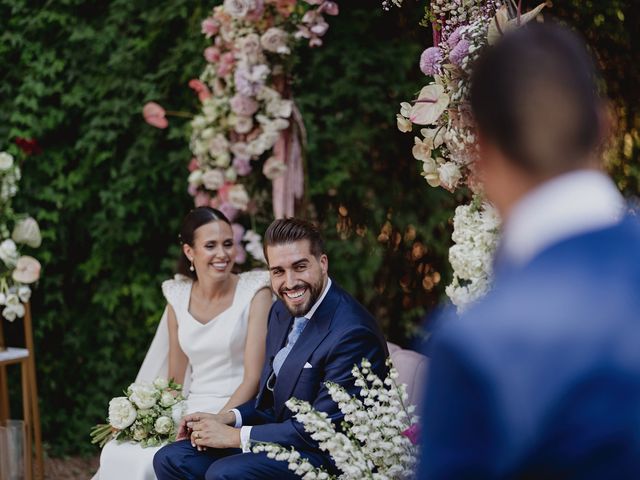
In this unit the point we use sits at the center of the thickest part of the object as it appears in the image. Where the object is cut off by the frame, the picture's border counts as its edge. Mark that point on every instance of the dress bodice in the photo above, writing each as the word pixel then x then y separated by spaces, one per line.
pixel 215 349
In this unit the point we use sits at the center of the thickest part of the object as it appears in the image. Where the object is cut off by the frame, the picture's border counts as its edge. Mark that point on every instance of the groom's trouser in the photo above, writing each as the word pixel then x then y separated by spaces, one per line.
pixel 181 461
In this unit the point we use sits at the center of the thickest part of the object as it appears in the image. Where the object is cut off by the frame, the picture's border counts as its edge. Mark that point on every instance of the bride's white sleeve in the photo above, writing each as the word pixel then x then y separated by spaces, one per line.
pixel 156 361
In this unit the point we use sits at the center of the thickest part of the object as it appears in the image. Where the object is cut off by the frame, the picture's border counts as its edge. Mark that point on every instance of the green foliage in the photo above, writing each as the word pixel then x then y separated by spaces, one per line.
pixel 109 191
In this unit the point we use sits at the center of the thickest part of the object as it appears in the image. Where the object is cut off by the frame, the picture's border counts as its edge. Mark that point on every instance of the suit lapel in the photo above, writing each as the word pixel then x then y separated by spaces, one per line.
pixel 315 331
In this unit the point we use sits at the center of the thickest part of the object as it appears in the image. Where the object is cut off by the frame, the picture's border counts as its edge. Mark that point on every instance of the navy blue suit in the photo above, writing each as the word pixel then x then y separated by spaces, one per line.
pixel 339 335
pixel 542 378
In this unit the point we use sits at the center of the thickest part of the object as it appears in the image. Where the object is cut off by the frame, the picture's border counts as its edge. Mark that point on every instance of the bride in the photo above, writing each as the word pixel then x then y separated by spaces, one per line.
pixel 211 336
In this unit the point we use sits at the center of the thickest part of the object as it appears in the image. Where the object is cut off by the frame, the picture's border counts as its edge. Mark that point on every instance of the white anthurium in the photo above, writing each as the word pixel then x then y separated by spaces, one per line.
pixel 27 232
pixel 501 23
pixel 431 103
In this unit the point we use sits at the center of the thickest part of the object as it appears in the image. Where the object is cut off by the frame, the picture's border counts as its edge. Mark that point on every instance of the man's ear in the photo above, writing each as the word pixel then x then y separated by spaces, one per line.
pixel 324 264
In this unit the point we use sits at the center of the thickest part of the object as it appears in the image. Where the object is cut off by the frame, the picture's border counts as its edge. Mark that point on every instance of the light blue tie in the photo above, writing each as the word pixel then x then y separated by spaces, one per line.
pixel 298 325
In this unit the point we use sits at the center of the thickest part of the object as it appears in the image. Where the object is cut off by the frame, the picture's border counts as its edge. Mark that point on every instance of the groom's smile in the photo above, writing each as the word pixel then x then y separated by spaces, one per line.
pixel 297 276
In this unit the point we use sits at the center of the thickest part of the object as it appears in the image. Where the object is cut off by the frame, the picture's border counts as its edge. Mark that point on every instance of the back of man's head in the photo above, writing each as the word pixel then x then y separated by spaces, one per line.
pixel 534 96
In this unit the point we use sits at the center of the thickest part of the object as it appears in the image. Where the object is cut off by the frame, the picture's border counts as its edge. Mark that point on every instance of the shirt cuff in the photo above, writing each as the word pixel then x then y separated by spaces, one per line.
pixel 238 415
pixel 245 439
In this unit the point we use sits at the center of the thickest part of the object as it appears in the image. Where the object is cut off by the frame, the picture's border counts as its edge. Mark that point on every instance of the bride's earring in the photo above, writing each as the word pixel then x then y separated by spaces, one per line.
pixel 191 267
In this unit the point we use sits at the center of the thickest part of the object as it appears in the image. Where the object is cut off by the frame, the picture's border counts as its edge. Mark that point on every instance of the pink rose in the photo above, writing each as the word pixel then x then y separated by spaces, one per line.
pixel 330 8
pixel 209 27
pixel 226 64
pixel 201 199
pixel 200 88
pixel 238 233
pixel 241 105
pixel 154 115
pixel 229 210
pixel 193 164
pixel 212 54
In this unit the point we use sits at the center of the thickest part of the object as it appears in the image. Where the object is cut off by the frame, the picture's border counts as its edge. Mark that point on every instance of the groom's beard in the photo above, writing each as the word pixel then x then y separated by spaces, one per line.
pixel 313 293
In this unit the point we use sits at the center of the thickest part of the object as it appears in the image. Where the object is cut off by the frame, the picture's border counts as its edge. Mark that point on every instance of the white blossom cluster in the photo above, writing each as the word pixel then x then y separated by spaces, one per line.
pixel 148 414
pixel 475 233
pixel 17 271
pixel 372 441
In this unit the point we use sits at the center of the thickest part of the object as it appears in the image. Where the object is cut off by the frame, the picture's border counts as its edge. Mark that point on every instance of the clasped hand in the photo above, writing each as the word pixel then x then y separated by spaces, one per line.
pixel 209 430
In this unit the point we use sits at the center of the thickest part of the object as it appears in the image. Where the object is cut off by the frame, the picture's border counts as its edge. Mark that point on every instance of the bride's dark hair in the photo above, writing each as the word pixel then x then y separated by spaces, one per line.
pixel 195 219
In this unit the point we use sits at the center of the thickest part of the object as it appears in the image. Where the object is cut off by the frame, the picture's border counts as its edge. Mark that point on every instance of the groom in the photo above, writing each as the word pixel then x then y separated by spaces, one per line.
pixel 541 379
pixel 317 332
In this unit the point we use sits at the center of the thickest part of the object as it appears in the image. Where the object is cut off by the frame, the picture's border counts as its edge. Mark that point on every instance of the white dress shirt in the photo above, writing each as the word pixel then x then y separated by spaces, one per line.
pixel 568 205
pixel 245 431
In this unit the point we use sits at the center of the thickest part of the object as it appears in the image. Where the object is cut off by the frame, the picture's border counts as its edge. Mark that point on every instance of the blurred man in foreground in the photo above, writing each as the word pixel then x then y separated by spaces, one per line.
pixel 541 379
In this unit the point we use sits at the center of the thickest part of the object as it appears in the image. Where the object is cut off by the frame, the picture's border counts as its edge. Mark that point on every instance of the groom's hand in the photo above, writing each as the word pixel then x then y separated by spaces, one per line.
pixel 213 430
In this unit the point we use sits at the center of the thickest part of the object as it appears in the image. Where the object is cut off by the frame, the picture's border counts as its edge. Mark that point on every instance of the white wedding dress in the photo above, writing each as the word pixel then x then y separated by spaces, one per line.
pixel 216 366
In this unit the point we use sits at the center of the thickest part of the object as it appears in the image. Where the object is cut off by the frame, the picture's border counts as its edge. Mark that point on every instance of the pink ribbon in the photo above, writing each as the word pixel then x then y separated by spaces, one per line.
pixel 289 187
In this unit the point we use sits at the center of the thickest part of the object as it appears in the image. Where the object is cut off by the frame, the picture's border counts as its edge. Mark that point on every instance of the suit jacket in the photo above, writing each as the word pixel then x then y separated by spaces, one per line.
pixel 339 335
pixel 541 379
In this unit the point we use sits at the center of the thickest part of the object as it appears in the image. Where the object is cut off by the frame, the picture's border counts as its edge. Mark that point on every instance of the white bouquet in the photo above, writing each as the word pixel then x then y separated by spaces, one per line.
pixel 377 439
pixel 147 414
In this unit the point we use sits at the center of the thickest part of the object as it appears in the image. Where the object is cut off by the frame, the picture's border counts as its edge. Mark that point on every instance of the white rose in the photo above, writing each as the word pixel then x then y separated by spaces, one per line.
pixel 161 383
pixel 143 395
pixel 9 253
pixel 238 8
pixel 275 40
pixel 213 179
pixel 27 232
pixel 163 425
pixel 273 168
pixel 449 175
pixel 249 46
pixel 6 161
pixel 218 145
pixel 195 178
pixel 167 399
pixel 238 197
pixel 121 413
pixel 223 160
pixel 243 124
pixel 3 298
pixel 230 174
pixel 280 108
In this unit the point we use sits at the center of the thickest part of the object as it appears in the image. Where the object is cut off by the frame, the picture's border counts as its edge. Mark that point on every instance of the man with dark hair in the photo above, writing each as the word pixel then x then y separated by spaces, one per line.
pixel 317 332
pixel 541 378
